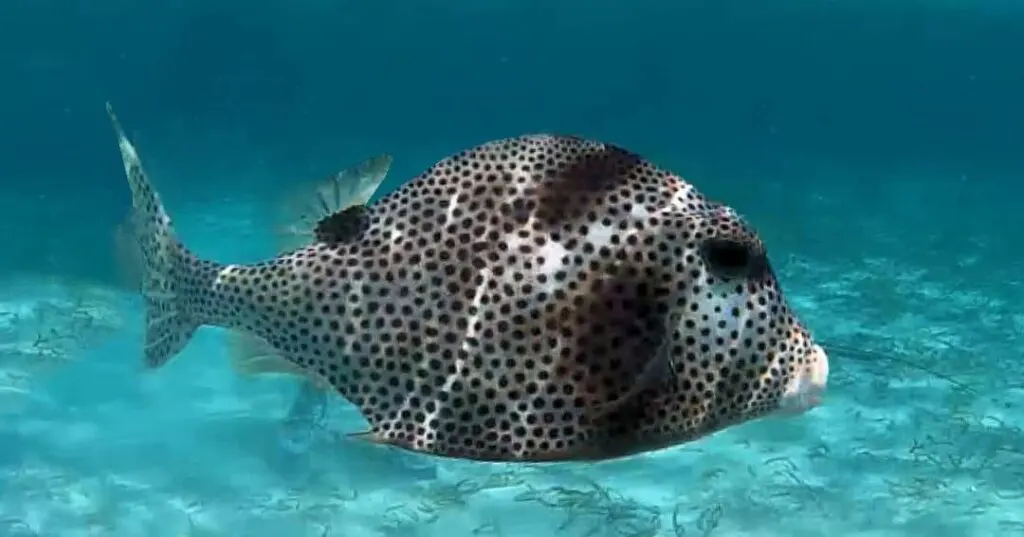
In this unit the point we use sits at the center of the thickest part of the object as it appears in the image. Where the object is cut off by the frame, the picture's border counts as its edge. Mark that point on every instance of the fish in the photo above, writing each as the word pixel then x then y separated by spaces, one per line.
pixel 538 298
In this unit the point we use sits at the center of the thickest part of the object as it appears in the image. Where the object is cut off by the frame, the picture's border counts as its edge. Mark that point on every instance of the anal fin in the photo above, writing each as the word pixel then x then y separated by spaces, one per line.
pixel 253 356
pixel 370 437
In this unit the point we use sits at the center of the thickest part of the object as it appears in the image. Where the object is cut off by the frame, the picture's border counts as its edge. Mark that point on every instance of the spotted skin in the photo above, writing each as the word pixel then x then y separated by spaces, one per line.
pixel 508 304
pixel 343 226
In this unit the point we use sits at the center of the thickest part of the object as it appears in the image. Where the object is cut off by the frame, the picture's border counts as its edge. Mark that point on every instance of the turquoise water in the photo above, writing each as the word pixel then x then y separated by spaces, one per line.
pixel 876 149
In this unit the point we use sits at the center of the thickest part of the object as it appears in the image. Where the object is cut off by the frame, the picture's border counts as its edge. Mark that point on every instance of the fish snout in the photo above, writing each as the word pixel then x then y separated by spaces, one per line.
pixel 806 386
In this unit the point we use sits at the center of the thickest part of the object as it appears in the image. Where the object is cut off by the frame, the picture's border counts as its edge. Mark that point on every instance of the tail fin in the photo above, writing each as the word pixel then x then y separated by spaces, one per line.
pixel 298 216
pixel 163 262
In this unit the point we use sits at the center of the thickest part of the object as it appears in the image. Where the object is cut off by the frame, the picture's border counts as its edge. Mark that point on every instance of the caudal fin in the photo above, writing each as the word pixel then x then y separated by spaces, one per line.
pixel 161 263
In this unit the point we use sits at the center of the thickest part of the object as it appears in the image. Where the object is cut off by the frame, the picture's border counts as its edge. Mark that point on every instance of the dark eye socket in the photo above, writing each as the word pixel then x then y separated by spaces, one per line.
pixel 729 258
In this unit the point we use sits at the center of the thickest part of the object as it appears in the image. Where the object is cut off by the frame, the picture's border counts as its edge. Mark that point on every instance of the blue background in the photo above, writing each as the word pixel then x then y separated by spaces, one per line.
pixel 232 100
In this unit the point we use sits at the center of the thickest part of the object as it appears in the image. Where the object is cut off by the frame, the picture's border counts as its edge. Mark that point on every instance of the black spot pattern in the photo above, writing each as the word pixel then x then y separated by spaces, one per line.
pixel 493 302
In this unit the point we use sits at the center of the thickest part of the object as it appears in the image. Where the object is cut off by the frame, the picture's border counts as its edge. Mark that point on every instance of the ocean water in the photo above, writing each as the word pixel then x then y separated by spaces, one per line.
pixel 877 147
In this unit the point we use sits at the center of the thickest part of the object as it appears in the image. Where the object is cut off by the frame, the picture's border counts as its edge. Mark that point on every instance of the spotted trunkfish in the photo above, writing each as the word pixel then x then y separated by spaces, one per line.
pixel 537 298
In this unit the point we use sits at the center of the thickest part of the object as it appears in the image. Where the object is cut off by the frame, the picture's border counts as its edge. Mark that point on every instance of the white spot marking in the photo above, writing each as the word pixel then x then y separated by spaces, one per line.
pixel 460 364
pixel 639 212
pixel 552 252
pixel 600 235
pixel 452 205
pixel 223 274
pixel 680 199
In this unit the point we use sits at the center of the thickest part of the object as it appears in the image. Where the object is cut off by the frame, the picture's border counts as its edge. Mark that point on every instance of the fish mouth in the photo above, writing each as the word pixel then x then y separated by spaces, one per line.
pixel 807 387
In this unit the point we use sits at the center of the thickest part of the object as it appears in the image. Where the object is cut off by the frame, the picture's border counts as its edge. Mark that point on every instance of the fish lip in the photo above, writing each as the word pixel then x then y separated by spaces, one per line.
pixel 815 377
pixel 806 391
pixel 819 375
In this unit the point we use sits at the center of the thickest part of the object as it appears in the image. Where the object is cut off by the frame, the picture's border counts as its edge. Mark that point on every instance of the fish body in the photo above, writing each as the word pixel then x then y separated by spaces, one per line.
pixel 296 221
pixel 538 298
pixel 297 218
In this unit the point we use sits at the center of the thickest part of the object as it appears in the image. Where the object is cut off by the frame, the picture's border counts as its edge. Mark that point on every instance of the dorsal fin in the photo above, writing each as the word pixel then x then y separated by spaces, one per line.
pixel 343 226
pixel 312 204
pixel 301 218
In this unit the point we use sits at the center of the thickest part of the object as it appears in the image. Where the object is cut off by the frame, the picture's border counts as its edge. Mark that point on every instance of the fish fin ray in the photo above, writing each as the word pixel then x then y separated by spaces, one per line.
pixel 369 437
pixel 163 263
pixel 302 211
pixel 253 356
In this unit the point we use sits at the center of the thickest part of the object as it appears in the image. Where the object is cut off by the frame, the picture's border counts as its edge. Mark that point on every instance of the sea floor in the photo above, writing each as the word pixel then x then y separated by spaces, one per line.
pixel 922 432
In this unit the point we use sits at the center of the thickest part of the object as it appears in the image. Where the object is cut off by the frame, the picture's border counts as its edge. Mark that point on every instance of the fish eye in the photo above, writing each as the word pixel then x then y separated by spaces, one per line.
pixel 729 258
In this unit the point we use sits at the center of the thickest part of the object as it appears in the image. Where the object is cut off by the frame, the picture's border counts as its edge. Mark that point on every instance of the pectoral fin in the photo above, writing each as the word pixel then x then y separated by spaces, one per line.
pixel 657 371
